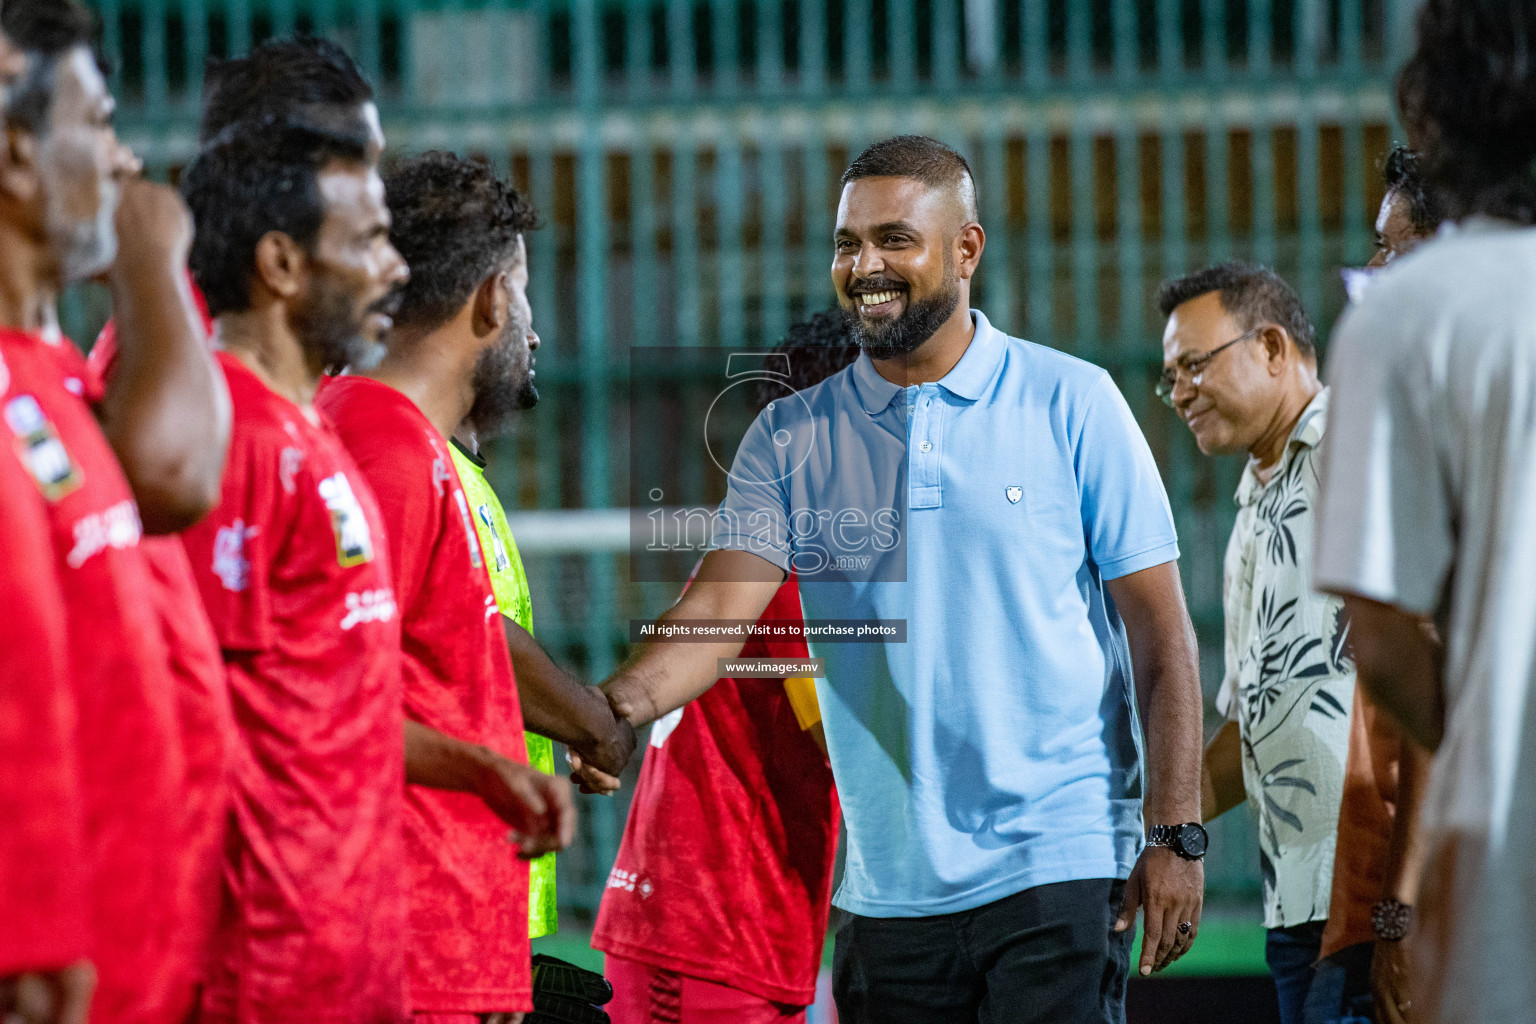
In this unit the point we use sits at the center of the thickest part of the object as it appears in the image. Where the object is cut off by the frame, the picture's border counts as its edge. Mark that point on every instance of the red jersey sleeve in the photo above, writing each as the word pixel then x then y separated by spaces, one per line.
pixel 44 882
pixel 234 549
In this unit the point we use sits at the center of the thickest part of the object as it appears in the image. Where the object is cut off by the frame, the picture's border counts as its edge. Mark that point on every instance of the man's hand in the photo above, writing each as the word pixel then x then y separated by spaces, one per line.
pixel 154 229
pixel 48 997
pixel 610 755
pixel 590 779
pixel 1172 891
pixel 556 704
pixel 537 806
pixel 1389 984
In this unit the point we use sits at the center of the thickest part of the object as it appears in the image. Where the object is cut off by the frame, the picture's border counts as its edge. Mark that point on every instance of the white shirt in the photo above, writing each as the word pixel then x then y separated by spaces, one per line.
pixel 1289 682
pixel 1429 504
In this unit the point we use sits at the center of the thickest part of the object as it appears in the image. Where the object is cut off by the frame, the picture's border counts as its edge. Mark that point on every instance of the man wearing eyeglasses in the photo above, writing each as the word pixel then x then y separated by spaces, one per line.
pixel 1240 368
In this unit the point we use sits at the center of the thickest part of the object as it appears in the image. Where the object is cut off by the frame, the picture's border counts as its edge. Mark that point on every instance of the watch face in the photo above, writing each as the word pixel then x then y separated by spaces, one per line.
pixel 1193 840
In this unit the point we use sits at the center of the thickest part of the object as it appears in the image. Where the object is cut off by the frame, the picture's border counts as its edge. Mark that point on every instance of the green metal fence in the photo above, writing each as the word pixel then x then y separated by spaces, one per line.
pixel 685 155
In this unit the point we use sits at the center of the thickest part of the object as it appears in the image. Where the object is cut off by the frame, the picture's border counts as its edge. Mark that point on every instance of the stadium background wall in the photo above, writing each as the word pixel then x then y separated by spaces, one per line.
pixel 685 155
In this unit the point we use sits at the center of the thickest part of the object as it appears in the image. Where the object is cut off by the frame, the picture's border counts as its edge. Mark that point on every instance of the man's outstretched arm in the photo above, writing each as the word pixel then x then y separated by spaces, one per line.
pixel 661 676
pixel 557 705
pixel 1164 657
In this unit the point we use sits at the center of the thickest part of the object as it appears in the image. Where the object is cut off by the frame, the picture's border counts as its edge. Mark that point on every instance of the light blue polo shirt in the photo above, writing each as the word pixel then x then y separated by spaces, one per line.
pixel 998 748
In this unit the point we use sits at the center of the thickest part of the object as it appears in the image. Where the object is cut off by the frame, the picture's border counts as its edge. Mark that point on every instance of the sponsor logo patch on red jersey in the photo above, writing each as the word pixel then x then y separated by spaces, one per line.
pixel 354 542
pixel 40 448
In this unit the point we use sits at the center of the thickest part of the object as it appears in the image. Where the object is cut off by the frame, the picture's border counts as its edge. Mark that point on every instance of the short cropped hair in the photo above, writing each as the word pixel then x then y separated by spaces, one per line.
pixel 917 156
pixel 455 223
pixel 46 30
pixel 258 176
pixel 818 347
pixel 1250 293
pixel 1404 174
pixel 1468 95
pixel 276 78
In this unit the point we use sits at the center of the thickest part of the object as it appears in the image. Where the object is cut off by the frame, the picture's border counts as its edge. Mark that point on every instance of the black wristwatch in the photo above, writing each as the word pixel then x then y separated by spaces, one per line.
pixel 1391 919
pixel 1188 840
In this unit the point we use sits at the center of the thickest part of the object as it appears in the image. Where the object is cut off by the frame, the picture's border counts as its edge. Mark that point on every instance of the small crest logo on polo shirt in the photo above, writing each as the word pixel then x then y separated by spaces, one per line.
pixel 354 542
pixel 40 448
pixel 1014 493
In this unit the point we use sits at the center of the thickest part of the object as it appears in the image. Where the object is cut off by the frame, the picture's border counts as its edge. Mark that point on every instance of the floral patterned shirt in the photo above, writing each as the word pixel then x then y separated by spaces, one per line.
pixel 1289 680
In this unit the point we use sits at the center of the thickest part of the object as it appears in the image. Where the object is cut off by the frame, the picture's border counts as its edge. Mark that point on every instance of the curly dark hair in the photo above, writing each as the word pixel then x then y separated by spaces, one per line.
pixel 258 176
pixel 1251 293
pixel 817 347
pixel 456 223
pixel 1468 97
pixel 1404 173
pixel 276 78
pixel 46 30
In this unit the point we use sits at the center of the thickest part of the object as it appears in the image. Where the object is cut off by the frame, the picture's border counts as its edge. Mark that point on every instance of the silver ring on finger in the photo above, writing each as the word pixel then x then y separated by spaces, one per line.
pixel 1185 927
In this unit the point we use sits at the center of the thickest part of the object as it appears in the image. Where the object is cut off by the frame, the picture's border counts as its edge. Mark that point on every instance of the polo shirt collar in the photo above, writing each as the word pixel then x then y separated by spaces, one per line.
pixel 971 376
pixel 875 392
pixel 969 379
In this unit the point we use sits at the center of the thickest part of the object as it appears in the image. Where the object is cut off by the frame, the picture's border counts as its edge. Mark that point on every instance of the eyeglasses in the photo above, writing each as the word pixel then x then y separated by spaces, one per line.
pixel 1195 368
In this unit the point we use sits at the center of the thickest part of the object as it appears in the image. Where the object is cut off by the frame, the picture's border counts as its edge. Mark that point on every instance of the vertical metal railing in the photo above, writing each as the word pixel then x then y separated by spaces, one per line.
pixel 684 154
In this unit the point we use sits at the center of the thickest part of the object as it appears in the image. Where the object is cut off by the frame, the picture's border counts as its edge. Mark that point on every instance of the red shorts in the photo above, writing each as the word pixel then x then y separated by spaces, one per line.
pixel 643 994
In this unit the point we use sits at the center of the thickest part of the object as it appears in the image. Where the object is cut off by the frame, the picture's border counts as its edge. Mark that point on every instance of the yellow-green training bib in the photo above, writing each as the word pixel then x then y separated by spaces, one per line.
pixel 510 584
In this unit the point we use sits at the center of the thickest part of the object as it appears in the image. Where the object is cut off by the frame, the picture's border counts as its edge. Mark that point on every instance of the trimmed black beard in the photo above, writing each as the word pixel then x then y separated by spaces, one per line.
pixel 327 326
pixel 906 333
pixel 502 388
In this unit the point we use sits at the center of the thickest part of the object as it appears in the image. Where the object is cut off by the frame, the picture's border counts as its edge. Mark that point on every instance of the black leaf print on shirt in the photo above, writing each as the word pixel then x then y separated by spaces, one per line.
pixel 1274 778
pixel 1267 871
pixel 1327 705
pixel 1283 814
pixel 1285 500
pixel 1341 652
pixel 1281 661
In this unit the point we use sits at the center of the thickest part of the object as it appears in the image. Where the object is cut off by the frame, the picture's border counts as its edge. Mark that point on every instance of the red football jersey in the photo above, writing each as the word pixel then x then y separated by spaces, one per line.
pixel 202 698
pixel 469 891
pixel 45 889
pixel 131 769
pixel 295 577
pixel 725 869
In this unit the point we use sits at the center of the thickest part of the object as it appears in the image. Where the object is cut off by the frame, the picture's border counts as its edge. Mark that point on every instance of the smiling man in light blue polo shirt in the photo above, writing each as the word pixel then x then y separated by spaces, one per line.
pixel 996 499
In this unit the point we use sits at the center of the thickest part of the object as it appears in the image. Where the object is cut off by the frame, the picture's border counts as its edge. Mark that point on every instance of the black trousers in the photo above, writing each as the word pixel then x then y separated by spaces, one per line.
pixel 1048 955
